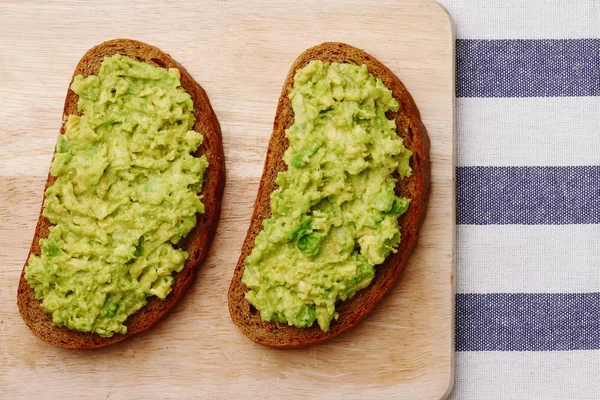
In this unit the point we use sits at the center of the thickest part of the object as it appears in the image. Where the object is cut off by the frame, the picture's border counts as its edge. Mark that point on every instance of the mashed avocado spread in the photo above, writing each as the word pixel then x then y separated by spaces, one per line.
pixel 335 213
pixel 125 193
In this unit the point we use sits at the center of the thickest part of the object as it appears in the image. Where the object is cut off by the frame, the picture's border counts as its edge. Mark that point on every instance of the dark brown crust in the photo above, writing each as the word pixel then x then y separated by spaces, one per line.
pixel 416 187
pixel 196 243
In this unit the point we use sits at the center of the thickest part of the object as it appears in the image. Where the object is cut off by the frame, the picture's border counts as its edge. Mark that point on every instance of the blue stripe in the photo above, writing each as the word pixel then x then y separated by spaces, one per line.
pixel 527 322
pixel 528 68
pixel 528 195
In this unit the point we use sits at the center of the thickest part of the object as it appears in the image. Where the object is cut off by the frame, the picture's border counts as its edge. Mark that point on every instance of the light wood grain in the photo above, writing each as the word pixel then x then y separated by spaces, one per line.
pixel 240 53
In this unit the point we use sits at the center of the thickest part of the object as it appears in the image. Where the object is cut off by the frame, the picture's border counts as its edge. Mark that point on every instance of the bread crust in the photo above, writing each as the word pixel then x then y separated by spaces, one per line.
pixel 197 241
pixel 417 186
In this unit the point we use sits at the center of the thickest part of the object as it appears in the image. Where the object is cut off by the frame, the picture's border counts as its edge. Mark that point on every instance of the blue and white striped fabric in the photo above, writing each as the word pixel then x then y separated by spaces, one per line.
pixel 528 199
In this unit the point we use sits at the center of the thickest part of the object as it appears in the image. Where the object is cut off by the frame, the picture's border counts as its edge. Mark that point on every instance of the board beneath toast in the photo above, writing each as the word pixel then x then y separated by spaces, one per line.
pixel 240 55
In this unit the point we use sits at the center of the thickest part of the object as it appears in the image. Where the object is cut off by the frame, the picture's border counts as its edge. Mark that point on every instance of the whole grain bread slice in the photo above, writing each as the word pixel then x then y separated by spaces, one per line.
pixel 412 130
pixel 197 241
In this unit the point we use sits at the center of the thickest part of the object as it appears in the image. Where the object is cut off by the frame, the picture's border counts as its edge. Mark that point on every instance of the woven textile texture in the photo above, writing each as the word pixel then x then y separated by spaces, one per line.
pixel 528 199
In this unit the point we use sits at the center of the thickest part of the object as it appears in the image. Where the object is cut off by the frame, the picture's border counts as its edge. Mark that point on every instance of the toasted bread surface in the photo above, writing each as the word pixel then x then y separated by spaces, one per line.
pixel 416 187
pixel 197 241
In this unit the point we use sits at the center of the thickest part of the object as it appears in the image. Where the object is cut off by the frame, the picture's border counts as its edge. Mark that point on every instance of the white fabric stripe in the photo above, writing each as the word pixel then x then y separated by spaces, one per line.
pixel 518 19
pixel 528 259
pixel 550 131
pixel 527 375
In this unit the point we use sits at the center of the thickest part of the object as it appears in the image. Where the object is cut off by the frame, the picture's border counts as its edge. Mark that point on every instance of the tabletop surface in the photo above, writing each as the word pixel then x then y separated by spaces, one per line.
pixel 240 55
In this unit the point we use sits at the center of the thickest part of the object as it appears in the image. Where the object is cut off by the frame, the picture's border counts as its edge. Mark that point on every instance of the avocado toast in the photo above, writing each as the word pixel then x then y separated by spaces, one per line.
pixel 306 301
pixel 192 239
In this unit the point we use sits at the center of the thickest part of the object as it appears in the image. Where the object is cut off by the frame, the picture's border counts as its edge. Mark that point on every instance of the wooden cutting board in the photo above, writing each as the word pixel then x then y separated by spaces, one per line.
pixel 240 53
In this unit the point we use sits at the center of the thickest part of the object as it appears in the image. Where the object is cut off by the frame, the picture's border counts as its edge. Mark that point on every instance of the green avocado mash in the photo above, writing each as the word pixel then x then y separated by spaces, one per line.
pixel 335 213
pixel 125 193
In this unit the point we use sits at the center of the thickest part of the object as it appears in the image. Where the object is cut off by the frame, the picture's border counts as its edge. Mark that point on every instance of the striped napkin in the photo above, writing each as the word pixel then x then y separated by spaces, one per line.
pixel 528 199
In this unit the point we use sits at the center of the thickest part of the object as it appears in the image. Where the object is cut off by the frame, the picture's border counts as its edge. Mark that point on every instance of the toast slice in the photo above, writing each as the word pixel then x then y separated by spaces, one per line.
pixel 197 241
pixel 412 130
